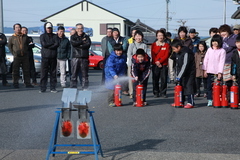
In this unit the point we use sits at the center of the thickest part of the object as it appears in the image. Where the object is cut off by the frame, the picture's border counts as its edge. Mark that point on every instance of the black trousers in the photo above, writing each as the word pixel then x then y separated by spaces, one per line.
pixel 17 63
pixel 210 80
pixel 198 84
pixel 159 73
pixel 103 71
pixel 144 89
pixel 79 64
pixel 32 70
pixel 48 65
pixel 69 68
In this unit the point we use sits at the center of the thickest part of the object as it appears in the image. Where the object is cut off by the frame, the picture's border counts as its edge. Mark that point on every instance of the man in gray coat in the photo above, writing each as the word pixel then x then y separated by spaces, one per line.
pixel 105 51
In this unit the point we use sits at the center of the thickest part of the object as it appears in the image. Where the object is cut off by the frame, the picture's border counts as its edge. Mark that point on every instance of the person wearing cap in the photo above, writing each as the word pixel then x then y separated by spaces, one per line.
pixel 18 45
pixel 80 56
pixel 49 42
pixel 236 29
pixel 117 39
pixel 105 51
pixel 63 54
pixel 194 38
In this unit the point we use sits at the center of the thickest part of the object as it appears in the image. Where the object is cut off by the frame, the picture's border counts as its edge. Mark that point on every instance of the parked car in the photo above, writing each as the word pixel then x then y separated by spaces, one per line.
pixel 96 47
pixel 95 60
pixel 37 60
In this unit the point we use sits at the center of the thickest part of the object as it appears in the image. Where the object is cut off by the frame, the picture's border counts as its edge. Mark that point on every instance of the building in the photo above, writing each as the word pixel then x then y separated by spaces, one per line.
pixel 91 16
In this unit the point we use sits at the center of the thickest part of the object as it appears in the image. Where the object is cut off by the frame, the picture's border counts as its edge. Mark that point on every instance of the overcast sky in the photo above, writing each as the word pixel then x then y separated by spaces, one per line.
pixel 199 14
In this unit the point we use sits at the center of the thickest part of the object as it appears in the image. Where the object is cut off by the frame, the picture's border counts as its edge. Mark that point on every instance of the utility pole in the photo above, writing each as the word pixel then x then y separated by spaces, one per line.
pixel 224 12
pixel 1 16
pixel 167 14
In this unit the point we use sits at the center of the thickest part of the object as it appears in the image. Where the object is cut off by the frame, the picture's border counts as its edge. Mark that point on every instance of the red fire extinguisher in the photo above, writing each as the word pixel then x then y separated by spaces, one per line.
pixel 178 96
pixel 139 95
pixel 217 88
pixel 234 96
pixel 118 95
pixel 224 97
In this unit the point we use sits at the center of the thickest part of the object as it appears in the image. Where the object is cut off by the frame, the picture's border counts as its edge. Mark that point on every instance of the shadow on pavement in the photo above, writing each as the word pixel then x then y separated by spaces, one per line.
pixel 148 144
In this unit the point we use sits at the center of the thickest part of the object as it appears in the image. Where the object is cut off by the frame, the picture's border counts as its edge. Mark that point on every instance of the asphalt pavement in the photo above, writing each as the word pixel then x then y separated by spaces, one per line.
pixel 155 132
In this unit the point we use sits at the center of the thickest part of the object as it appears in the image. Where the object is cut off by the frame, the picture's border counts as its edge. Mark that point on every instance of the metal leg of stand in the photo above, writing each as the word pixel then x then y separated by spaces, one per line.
pixel 100 147
pixel 94 137
pixel 54 135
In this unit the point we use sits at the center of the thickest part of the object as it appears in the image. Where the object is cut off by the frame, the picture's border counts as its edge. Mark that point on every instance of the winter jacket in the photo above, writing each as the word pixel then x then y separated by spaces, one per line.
pixel 49 42
pixel 141 70
pixel 214 61
pixel 199 58
pixel 160 53
pixel 235 65
pixel 229 46
pixel 81 45
pixel 132 48
pixel 115 65
pixel 3 42
pixel 31 45
pixel 195 42
pixel 187 42
pixel 121 40
pixel 104 46
pixel 185 70
pixel 18 45
pixel 64 49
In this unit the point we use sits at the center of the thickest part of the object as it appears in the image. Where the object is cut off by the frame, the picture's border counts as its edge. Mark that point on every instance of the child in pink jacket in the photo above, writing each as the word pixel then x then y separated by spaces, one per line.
pixel 213 64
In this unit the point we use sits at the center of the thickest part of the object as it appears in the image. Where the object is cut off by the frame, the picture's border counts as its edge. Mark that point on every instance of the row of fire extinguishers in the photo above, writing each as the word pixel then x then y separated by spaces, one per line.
pixel 220 95
pixel 118 95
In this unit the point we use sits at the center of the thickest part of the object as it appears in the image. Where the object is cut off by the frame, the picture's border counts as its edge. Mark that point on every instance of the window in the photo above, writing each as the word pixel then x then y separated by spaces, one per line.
pixel 60 24
pixel 103 27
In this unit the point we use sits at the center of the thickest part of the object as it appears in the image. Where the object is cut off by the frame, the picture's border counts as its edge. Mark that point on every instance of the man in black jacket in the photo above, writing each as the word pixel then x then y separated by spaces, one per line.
pixel 49 42
pixel 63 55
pixel 32 68
pixel 3 67
pixel 80 56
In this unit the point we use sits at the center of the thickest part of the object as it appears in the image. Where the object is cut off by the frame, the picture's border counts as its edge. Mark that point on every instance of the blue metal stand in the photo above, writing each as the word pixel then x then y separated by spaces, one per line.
pixel 95 139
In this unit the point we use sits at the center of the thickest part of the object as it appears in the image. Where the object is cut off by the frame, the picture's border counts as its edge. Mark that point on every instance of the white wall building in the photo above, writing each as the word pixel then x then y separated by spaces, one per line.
pixel 91 16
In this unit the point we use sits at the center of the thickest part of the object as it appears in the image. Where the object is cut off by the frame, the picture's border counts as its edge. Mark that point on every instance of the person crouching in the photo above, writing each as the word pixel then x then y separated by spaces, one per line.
pixel 140 71
pixel 115 67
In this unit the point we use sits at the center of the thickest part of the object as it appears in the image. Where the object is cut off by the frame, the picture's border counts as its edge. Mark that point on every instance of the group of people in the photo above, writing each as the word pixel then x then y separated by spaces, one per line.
pixel 57 50
pixel 185 60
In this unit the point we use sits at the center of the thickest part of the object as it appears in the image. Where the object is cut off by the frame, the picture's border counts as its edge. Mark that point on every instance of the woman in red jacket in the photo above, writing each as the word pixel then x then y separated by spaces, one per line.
pixel 160 53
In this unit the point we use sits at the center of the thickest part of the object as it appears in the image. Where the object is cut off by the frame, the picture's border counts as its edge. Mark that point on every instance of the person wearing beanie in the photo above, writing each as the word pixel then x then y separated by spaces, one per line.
pixel 140 70
pixel 118 39
pixel 138 43
pixel 64 51
pixel 18 45
pixel 49 42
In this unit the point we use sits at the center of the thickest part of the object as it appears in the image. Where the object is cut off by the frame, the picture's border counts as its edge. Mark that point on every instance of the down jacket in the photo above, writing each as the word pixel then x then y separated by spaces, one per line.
pixel 115 65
